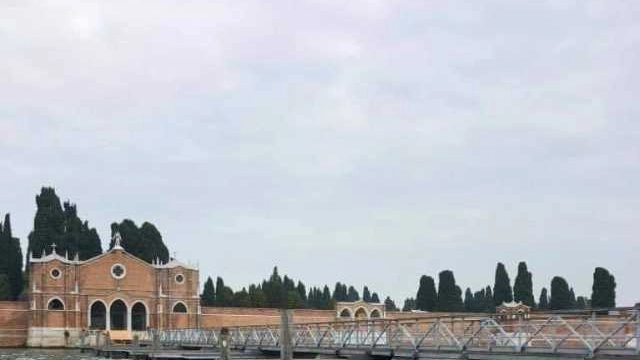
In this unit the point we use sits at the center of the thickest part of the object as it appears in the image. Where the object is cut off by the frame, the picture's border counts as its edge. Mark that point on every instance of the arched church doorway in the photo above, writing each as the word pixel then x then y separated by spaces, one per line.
pixel 138 317
pixel 98 316
pixel 361 313
pixel 118 315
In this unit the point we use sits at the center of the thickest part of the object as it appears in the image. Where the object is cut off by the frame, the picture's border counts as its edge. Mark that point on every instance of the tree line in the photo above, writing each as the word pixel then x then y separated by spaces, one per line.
pixel 448 296
pixel 58 223
pixel 281 292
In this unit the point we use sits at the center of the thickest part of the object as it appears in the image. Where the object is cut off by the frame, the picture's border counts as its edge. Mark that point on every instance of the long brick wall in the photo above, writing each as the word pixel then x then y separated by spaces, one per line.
pixel 218 317
pixel 14 320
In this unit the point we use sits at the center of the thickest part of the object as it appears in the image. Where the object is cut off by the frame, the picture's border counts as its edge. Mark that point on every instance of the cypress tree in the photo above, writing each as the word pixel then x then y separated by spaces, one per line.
pixel 573 303
pixel 560 295
pixel 241 298
pixel 208 296
pixel 489 305
pixel 375 298
pixel 581 302
pixel 48 223
pixel 409 304
pixel 502 288
pixel 11 258
pixel 352 294
pixel 5 288
pixel 256 296
pixel 449 294
pixel 327 302
pixel 53 224
pixel 469 305
pixel 390 305
pixel 543 302
pixel 144 242
pixel 78 237
pixel 427 296
pixel 274 291
pixel 302 291
pixel 294 301
pixel 221 299
pixel 366 295
pixel 603 290
pixel 340 292
pixel 523 286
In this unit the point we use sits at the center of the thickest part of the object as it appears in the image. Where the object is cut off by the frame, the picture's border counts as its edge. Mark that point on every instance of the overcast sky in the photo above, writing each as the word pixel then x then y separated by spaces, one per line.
pixel 356 141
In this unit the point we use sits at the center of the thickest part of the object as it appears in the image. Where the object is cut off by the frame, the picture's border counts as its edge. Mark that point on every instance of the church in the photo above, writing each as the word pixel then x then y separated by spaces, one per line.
pixel 114 291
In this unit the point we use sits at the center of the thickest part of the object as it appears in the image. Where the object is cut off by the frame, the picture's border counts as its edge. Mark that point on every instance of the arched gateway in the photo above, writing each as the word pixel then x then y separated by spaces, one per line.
pixel 114 291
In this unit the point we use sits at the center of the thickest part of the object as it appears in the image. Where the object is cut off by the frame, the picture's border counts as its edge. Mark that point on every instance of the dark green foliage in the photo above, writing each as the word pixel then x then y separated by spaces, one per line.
pixel 274 291
pixel 77 236
pixel 482 301
pixel 5 288
pixel 581 302
pixel 427 296
pixel 294 301
pixel 302 291
pixel 573 303
pixel 11 259
pixel 208 296
pixel 490 305
pixel 603 290
pixel 468 301
pixel 62 226
pixel 449 294
pixel 352 294
pixel 375 298
pixel 560 294
pixel 523 286
pixel 409 304
pixel 543 302
pixel 340 292
pixel 366 295
pixel 327 301
pixel 241 298
pixel 390 305
pixel 144 242
pixel 502 288
pixel 256 296
pixel 224 294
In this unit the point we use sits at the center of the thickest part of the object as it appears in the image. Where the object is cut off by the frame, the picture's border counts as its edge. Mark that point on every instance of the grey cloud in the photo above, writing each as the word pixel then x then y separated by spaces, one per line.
pixel 398 137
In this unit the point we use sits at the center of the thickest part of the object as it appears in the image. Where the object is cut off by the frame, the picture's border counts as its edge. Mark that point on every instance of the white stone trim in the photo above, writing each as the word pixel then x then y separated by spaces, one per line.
pixel 175 278
pixel 106 313
pixel 128 314
pixel 124 268
pixel 179 302
pixel 64 306
pixel 146 313
pixel 55 277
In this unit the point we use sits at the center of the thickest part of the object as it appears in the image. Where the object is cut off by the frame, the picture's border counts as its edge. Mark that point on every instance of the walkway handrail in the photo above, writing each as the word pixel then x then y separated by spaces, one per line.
pixel 553 333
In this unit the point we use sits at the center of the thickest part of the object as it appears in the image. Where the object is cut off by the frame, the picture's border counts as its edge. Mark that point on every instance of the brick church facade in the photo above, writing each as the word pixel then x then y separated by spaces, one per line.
pixel 114 291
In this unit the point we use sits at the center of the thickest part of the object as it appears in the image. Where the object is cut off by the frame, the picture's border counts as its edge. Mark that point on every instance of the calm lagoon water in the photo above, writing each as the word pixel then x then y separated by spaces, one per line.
pixel 44 354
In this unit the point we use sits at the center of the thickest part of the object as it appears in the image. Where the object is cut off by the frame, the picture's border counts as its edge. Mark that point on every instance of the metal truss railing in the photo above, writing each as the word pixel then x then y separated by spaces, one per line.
pixel 555 333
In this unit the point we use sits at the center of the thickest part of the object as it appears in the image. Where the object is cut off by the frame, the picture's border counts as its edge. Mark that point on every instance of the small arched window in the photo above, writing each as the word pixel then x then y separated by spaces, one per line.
pixel 55 304
pixel 179 308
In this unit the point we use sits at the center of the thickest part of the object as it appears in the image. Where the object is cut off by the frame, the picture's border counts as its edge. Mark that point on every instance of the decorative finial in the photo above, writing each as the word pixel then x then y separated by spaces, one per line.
pixel 53 248
pixel 116 240
pixel 66 254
